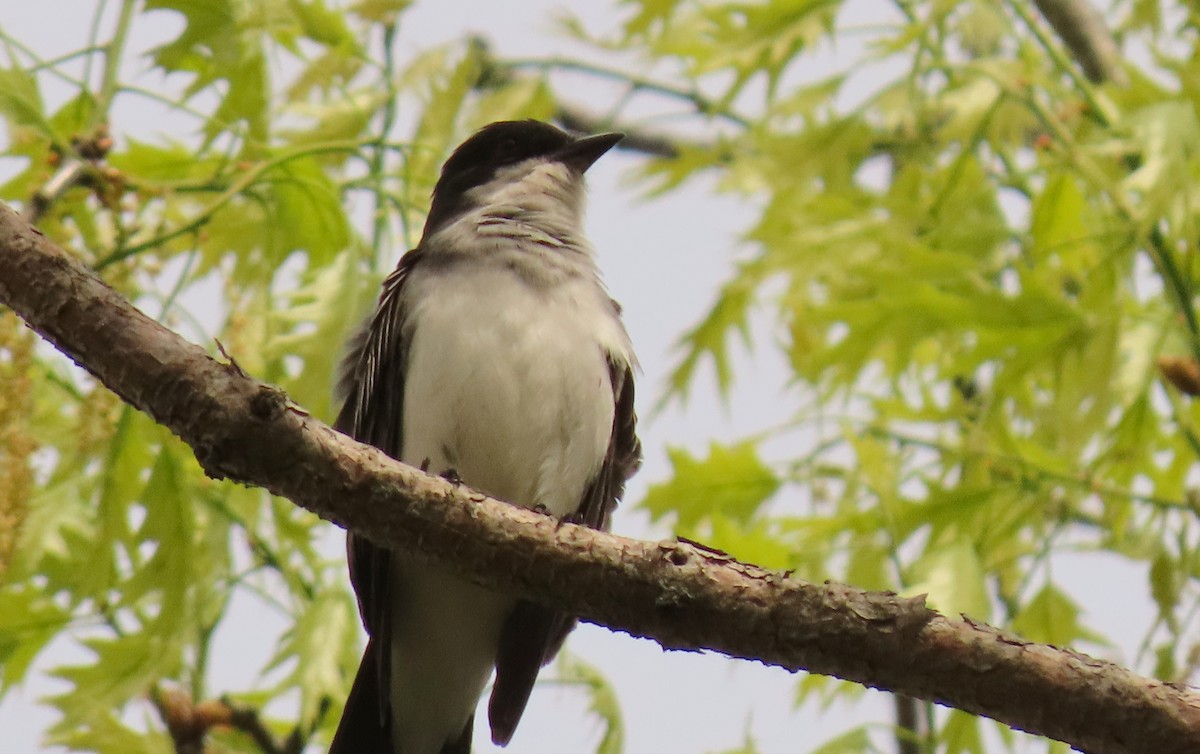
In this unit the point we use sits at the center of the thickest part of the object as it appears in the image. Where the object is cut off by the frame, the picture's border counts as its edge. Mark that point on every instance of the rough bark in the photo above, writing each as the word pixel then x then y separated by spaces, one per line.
pixel 681 594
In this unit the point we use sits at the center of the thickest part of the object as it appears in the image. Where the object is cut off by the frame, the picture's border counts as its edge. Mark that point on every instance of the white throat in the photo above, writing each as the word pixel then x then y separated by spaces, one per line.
pixel 528 217
pixel 541 192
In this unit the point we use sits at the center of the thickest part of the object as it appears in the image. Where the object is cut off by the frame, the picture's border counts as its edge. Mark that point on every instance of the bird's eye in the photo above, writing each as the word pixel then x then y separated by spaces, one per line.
pixel 507 147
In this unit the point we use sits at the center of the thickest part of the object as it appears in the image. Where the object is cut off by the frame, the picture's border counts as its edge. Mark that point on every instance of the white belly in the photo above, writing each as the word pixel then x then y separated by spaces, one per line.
pixel 510 388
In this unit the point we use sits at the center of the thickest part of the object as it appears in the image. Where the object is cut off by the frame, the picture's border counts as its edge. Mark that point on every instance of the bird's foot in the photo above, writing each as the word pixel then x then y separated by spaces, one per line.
pixel 451 476
pixel 571 518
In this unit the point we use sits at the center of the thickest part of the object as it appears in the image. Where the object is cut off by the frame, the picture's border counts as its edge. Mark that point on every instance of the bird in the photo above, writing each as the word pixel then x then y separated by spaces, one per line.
pixel 496 357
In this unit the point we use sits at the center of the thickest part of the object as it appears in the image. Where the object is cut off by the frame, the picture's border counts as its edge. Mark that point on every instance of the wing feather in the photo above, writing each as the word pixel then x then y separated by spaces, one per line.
pixel 371 384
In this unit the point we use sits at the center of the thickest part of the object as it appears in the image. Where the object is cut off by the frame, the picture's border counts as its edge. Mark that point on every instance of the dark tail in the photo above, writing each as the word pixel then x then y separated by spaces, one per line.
pixel 530 638
pixel 364 726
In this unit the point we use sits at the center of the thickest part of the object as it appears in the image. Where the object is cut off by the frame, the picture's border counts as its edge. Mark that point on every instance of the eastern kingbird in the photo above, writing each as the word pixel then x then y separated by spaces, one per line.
pixel 495 354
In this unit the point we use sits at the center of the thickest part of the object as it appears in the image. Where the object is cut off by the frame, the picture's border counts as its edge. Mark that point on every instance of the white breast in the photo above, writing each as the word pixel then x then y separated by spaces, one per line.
pixel 507 384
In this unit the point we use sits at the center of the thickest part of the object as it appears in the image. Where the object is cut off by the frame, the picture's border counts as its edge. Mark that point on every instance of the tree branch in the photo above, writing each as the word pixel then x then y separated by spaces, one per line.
pixel 496 72
pixel 636 139
pixel 188 722
pixel 682 595
pixel 1084 32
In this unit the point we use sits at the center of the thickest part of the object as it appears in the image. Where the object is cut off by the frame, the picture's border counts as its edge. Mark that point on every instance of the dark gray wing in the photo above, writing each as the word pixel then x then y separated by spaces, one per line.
pixel 534 633
pixel 372 385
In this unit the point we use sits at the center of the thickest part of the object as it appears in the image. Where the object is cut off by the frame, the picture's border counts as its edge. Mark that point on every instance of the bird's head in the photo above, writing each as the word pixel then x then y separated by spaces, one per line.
pixel 525 164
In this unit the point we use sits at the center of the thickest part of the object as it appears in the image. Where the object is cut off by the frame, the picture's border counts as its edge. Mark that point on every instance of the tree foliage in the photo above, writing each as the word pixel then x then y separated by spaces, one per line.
pixel 979 265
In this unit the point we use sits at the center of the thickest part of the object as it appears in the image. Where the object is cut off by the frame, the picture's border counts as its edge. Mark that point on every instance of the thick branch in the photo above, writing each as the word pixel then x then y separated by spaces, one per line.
pixel 680 594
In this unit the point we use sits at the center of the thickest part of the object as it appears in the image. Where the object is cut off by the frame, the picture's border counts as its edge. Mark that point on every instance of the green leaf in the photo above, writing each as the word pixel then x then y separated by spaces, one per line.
pixel 348 117
pixel 710 338
pixel 315 322
pixel 1059 217
pixel 1167 138
pixel 319 647
pixel 961 734
pixel 222 41
pixel 21 102
pixel 105 733
pixel 868 566
pixel 648 14
pixel 953 578
pixel 380 11
pixel 247 100
pixel 169 527
pixel 163 165
pixel 448 86
pixel 124 668
pixel 1052 617
pixel 754 541
pixel 852 741
pixel 514 100
pixel 323 25
pixel 1165 585
pixel 209 27
pixel 29 620
pixel 306 212
pixel 732 481
pixel 129 458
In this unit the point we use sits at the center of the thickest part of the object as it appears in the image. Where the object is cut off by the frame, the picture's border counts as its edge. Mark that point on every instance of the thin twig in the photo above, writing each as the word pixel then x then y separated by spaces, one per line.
pixel 247 720
pixel 692 96
pixel 636 139
pixel 113 53
pixel 71 174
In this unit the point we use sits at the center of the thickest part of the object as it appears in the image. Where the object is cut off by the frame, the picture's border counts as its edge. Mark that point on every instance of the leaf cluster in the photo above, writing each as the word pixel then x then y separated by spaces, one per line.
pixel 973 260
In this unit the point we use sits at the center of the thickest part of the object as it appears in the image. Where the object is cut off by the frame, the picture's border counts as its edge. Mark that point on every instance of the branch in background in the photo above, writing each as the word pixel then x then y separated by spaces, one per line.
pixel 574 118
pixel 188 722
pixel 178 714
pixel 910 739
pixel 1086 35
pixel 1182 372
pixel 683 596
pixel 68 175
pixel 636 140
pixel 78 167
pixel 691 96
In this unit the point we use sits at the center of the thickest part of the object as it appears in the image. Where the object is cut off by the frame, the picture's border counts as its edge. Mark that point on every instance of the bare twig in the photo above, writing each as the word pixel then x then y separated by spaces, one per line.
pixel 68 175
pixel 246 720
pixel 188 722
pixel 909 736
pixel 178 714
pixel 692 96
pixel 575 118
pixel 636 140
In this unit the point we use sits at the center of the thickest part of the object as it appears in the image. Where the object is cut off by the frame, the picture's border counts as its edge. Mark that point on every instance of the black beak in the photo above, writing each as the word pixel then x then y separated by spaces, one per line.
pixel 579 155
